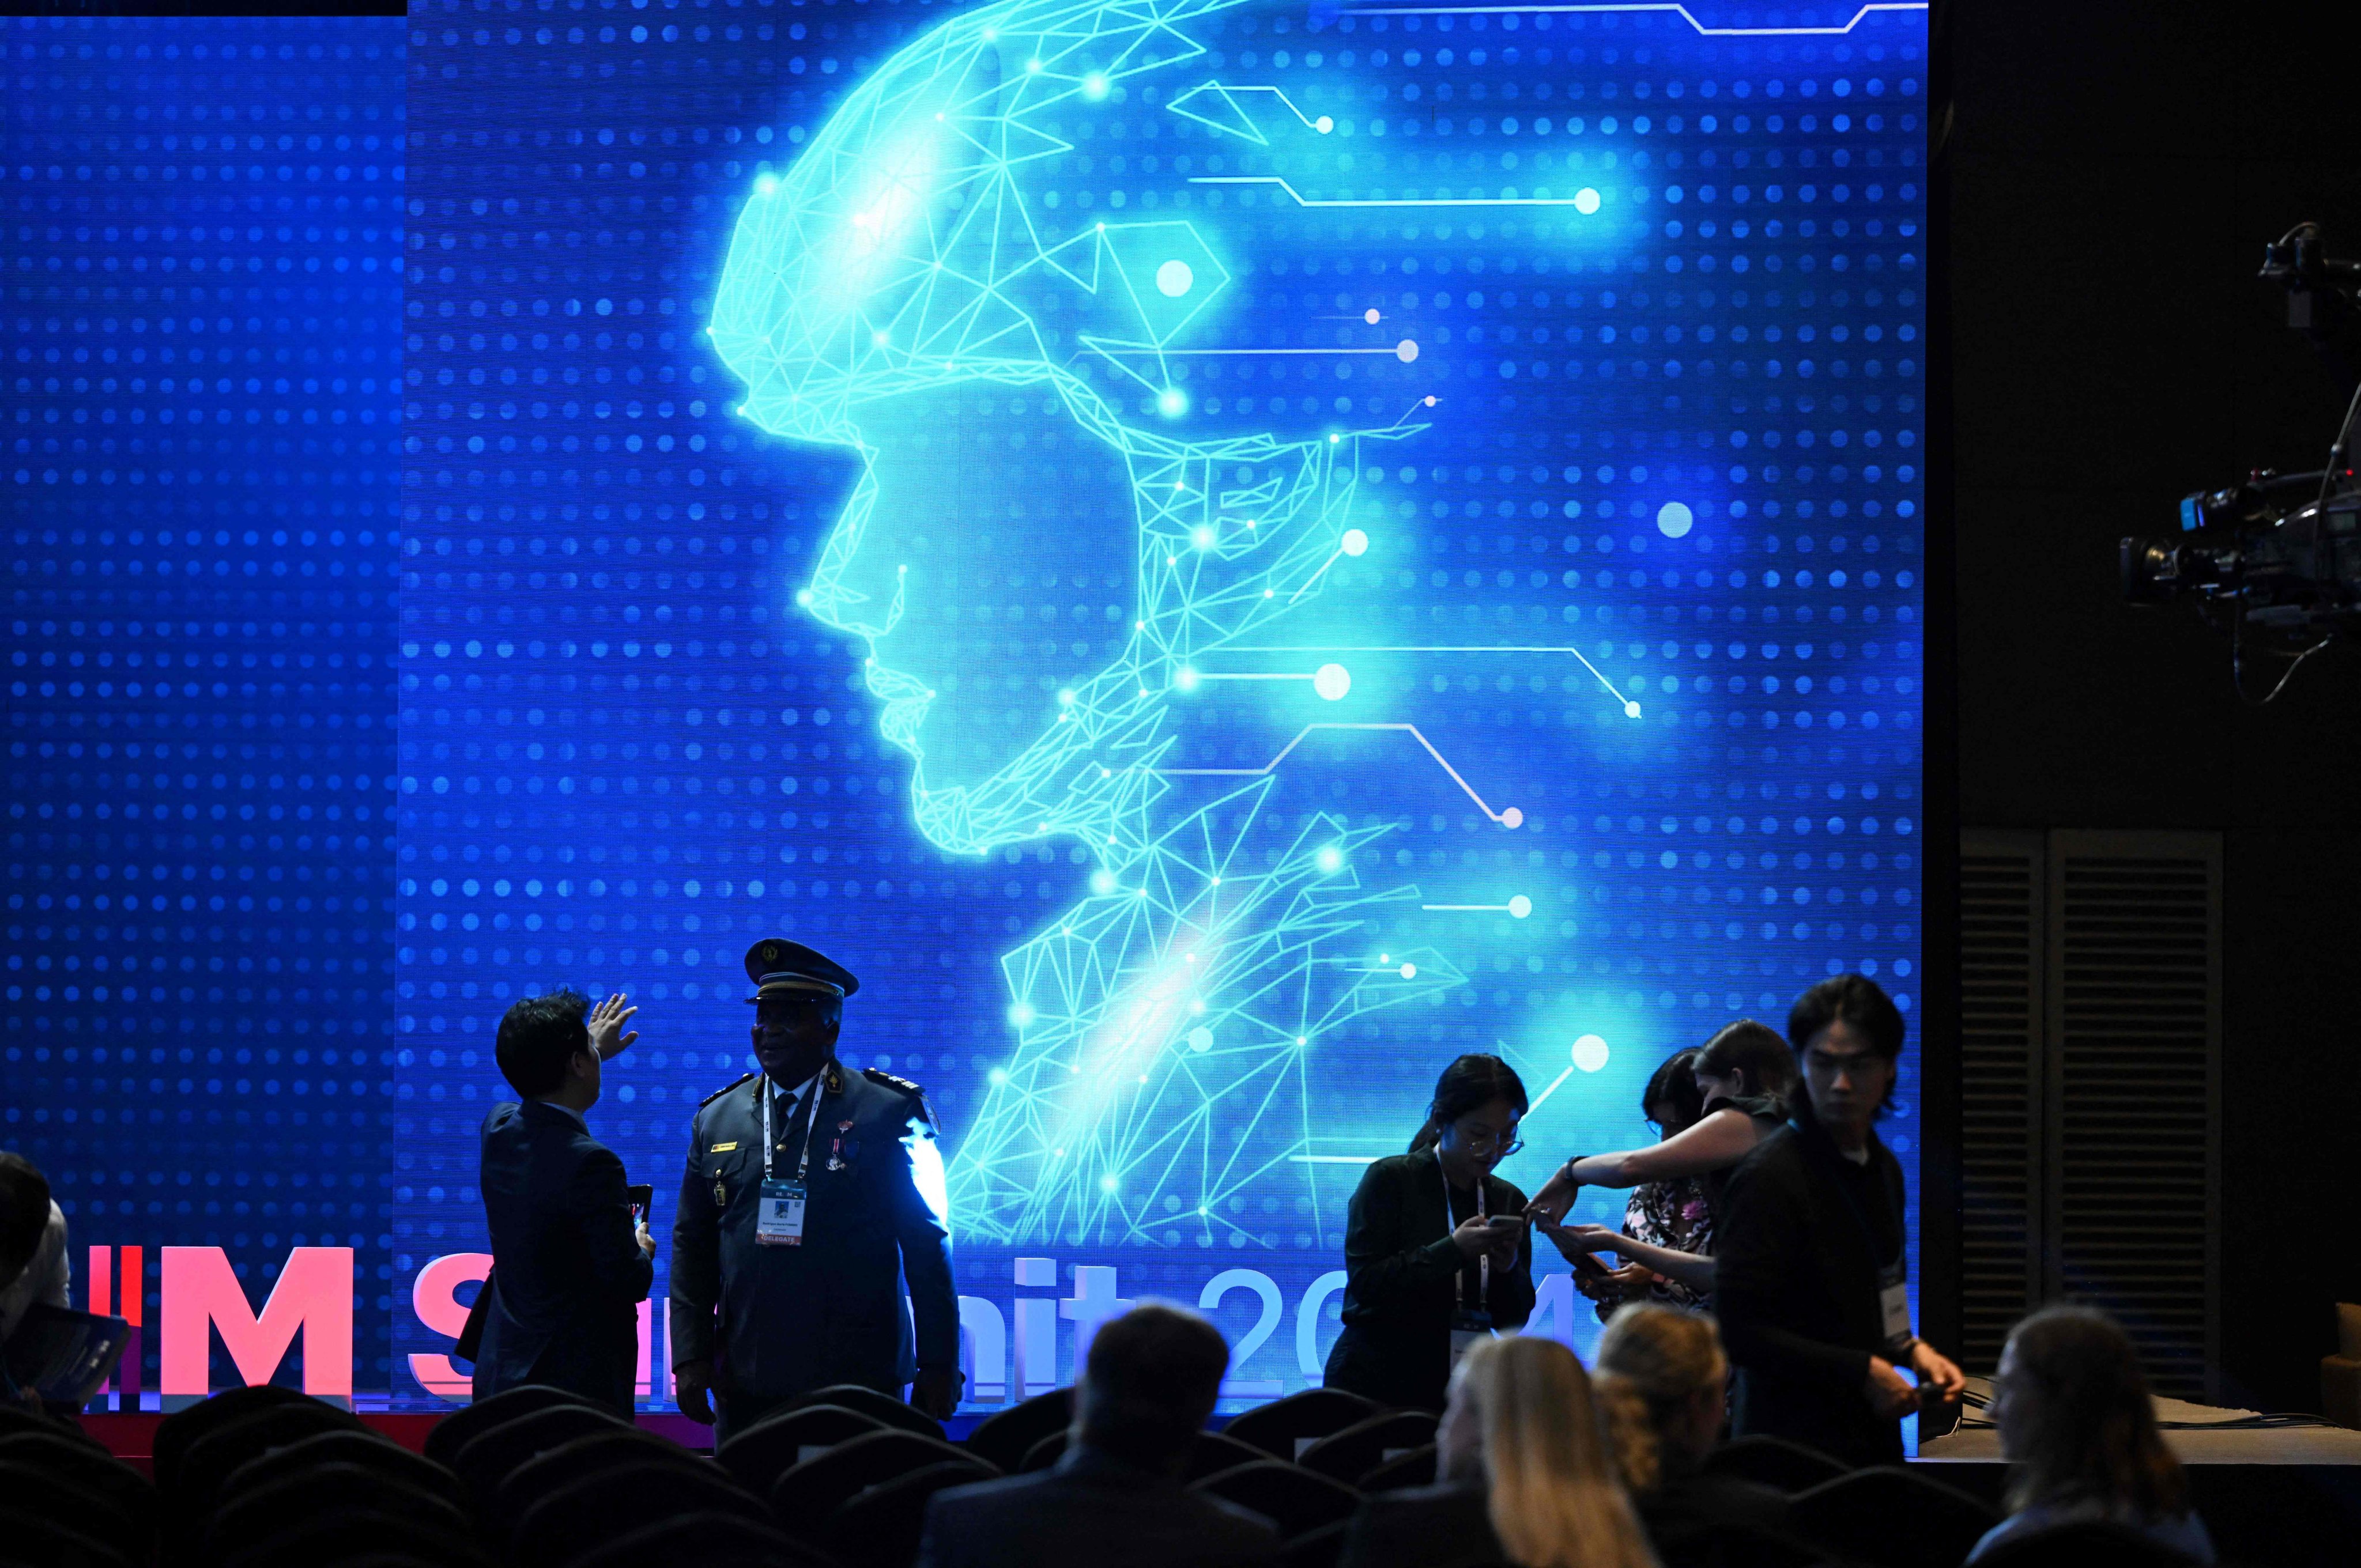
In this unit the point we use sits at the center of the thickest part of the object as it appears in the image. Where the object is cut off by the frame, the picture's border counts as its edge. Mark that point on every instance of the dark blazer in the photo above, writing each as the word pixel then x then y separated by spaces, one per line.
pixel 779 1321
pixel 1447 1525
pixel 568 1274
pixel 1796 1287
pixel 1091 1510
pixel 1400 1283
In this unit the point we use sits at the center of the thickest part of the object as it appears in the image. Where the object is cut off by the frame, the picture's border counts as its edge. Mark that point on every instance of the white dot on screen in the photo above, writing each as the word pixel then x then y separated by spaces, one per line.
pixel 1406 350
pixel 1355 541
pixel 1591 1053
pixel 1586 200
pixel 1173 278
pixel 1200 1039
pixel 1371 316
pixel 1521 906
pixel 1332 682
pixel 1673 519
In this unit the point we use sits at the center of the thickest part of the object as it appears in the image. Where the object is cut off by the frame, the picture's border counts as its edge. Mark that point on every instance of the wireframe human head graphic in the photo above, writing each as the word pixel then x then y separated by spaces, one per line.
pixel 923 286
pixel 1242 325
pixel 927 243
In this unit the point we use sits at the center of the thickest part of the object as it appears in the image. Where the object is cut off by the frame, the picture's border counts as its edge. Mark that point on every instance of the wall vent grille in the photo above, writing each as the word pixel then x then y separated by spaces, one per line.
pixel 2091 1028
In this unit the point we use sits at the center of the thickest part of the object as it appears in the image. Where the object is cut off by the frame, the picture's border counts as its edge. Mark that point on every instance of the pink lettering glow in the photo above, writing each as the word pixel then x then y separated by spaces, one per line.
pixel 435 1297
pixel 314 1294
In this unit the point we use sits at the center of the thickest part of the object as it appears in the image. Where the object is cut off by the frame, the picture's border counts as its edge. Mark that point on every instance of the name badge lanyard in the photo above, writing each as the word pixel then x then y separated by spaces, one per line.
pixel 779 1220
pixel 1467 1325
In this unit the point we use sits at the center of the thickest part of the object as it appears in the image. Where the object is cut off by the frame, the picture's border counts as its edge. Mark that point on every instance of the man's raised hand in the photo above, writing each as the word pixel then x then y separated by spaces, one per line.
pixel 606 1025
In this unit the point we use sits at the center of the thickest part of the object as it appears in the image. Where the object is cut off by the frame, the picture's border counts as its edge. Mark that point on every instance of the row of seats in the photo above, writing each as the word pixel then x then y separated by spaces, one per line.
pixel 264 1478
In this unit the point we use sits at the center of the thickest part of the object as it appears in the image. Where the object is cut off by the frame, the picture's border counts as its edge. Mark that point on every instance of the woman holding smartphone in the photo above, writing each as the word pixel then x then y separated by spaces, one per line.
pixel 1745 1076
pixel 1436 1253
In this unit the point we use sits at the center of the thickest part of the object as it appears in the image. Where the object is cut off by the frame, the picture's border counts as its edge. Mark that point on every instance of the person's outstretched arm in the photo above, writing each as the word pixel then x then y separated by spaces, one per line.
pixel 1721 1139
pixel 1693 1270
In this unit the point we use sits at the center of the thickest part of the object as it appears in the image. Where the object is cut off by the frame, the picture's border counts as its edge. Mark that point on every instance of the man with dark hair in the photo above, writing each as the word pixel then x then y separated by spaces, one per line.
pixel 570 1265
pixel 33 1263
pixel 1810 1277
pixel 1116 1497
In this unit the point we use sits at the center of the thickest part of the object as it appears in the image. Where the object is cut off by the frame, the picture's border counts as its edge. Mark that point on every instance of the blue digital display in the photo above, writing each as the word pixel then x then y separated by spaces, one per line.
pixel 1217 557
pixel 199 342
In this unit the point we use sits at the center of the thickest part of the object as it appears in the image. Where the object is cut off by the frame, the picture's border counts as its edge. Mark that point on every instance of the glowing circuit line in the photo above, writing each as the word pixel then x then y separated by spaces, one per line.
pixel 1313 581
pixel 1495 908
pixel 1536 1103
pixel 1304 201
pixel 1631 709
pixel 1681 11
pixel 1259 675
pixel 1394 349
pixel 1308 123
pixel 1334 1159
pixel 1509 816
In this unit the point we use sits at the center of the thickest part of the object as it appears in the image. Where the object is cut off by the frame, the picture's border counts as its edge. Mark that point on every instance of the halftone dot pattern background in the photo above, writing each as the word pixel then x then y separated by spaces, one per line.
pixel 199 299
pixel 1685 442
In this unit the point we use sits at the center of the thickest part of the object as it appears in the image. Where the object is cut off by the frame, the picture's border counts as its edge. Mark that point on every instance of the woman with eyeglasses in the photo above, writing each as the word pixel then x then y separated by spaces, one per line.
pixel 1437 1253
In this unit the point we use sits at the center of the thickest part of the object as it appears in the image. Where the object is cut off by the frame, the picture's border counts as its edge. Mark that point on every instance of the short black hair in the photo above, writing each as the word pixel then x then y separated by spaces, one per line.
pixel 1856 1000
pixel 1756 1049
pixel 24 1212
pixel 539 1037
pixel 1469 1084
pixel 1149 1383
pixel 1674 1080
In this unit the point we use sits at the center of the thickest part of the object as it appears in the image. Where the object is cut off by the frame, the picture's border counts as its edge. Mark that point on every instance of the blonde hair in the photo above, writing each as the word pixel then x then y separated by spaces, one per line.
pixel 1653 1362
pixel 1555 1499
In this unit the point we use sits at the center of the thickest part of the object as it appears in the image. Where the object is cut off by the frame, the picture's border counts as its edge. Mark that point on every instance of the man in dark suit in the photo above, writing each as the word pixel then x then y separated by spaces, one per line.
pixel 1115 1497
pixel 1811 1274
pixel 569 1263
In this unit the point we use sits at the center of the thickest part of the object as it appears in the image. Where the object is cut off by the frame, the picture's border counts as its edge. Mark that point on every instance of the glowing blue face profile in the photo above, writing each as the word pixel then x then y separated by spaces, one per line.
pixel 1234 342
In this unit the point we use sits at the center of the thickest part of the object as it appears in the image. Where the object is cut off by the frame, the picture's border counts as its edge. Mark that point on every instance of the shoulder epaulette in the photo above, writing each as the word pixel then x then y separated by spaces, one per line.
pixel 905 1088
pixel 886 1080
pixel 720 1092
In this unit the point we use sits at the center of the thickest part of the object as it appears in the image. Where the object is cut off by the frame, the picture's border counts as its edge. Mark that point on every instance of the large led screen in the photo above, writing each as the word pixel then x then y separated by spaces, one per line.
pixel 1217 555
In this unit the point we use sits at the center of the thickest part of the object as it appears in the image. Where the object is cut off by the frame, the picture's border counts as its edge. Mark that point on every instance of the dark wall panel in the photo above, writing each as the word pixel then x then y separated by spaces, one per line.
pixel 2115 171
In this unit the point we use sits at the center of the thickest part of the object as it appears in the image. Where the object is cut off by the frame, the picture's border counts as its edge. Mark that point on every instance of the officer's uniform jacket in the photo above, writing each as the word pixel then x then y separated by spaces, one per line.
pixel 778 1320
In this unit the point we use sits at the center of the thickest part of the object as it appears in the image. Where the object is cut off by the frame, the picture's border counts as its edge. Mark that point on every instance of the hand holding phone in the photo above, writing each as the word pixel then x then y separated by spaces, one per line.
pixel 1569 1245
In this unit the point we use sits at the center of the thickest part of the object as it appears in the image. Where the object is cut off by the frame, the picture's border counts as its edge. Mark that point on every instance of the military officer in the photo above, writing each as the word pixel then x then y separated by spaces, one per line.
pixel 800 1216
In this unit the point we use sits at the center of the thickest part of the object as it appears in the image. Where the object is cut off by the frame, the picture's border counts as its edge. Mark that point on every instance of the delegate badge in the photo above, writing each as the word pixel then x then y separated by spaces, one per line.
pixel 779 1221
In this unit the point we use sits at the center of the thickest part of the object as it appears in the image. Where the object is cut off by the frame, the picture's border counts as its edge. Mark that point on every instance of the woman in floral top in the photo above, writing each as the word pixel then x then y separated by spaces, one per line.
pixel 1672 1213
pixel 1714 1105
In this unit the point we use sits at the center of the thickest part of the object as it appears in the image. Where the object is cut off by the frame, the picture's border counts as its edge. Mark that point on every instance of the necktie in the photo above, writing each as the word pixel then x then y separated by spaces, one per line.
pixel 791 1140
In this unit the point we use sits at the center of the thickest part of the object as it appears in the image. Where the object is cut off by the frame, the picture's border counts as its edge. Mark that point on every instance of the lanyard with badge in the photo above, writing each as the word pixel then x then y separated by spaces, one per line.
pixel 779 1217
pixel 1468 1324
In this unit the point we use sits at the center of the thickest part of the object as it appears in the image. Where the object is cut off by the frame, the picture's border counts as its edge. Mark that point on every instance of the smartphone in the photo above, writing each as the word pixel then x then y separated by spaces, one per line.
pixel 642 1195
pixel 1587 1263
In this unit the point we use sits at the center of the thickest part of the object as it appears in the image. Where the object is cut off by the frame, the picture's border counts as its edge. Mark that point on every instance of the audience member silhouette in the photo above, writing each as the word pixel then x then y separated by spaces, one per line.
pixel 2074 1412
pixel 1114 1498
pixel 1663 1380
pixel 1527 1477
